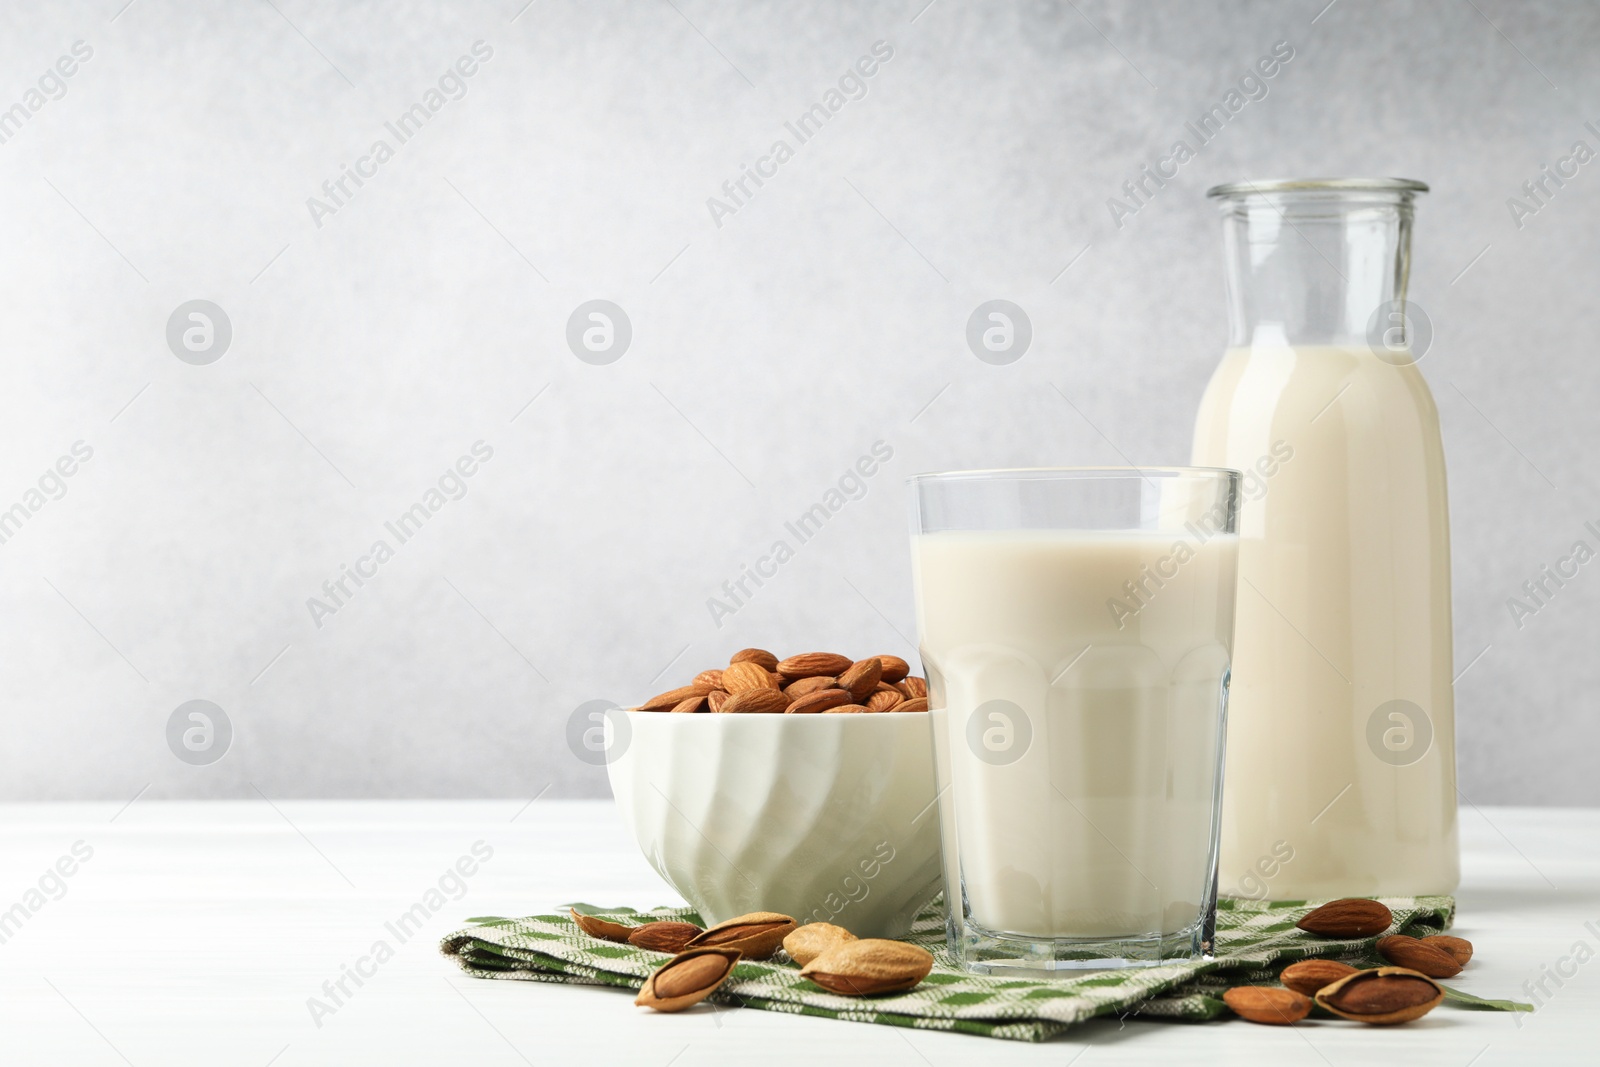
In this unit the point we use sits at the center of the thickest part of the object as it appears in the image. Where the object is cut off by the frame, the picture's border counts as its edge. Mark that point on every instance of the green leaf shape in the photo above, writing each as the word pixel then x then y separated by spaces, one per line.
pixel 1472 1003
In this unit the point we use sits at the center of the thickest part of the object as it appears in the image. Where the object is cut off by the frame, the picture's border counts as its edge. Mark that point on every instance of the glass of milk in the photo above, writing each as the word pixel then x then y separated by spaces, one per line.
pixel 1076 629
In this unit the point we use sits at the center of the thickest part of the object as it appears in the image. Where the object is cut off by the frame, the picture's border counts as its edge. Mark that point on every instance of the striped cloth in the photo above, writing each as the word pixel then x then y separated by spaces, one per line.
pixel 1255 939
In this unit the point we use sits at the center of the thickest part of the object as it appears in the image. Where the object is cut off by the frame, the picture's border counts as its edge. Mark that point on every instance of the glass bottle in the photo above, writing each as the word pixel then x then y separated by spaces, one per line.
pixel 1340 776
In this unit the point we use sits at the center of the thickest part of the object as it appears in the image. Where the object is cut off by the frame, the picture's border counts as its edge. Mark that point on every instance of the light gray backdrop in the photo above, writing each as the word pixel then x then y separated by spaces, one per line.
pixel 377 337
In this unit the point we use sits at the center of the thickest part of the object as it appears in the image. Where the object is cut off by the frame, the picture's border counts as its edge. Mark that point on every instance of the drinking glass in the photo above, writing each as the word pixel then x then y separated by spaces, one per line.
pixel 1076 629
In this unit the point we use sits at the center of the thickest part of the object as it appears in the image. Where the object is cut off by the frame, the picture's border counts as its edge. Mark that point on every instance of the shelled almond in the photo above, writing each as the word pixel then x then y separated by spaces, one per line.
pixel 1308 977
pixel 1458 947
pixel 1349 917
pixel 1431 959
pixel 1273 1007
pixel 757 682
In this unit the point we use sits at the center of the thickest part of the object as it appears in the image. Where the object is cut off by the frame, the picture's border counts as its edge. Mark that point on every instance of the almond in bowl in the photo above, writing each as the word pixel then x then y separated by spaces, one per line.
pixel 809 683
pixel 812 797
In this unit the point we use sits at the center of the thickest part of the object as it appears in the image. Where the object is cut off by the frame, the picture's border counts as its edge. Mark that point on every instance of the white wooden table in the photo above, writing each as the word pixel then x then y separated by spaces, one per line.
pixel 197 932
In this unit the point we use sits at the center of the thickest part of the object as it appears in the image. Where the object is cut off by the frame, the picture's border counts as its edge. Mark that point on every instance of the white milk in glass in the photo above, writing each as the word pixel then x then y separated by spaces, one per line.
pixel 1077 683
pixel 1341 732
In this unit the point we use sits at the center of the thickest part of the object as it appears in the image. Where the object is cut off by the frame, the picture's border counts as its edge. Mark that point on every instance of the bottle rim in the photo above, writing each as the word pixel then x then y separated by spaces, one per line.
pixel 1317 185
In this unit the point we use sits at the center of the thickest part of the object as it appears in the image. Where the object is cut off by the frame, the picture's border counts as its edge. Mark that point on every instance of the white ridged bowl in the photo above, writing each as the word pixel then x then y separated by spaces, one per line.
pixel 828 818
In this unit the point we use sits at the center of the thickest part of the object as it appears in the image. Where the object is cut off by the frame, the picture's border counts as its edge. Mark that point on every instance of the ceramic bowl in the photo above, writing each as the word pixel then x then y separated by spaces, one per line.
pixel 828 818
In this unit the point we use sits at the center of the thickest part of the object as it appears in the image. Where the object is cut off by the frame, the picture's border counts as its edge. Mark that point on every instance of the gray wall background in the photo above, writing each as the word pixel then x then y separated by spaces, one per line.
pixel 767 354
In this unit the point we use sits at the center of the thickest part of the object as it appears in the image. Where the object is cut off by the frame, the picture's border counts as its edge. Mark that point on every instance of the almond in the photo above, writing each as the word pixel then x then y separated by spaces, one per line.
pixel 604 929
pixel 811 664
pixel 1381 996
pixel 796 690
pixel 755 655
pixel 912 687
pixel 688 705
pixel 1408 952
pixel 846 709
pixel 742 676
pixel 710 678
pixel 759 701
pixel 919 704
pixel 1308 976
pixel 666 700
pixel 821 700
pixel 894 668
pixel 1348 918
pixel 869 967
pixel 862 677
pixel 813 939
pixel 687 979
pixel 716 698
pixel 1260 1004
pixel 1458 947
pixel 670 937
pixel 757 935
pixel 884 699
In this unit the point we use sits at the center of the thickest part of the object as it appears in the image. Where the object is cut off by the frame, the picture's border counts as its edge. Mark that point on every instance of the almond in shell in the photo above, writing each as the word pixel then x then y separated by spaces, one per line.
pixel 813 939
pixel 1382 996
pixel 687 979
pixel 604 929
pixel 756 701
pixel 870 967
pixel 756 935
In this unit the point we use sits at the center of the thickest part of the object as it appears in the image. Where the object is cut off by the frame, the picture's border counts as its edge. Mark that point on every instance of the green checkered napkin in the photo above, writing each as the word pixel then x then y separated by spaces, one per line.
pixel 1254 939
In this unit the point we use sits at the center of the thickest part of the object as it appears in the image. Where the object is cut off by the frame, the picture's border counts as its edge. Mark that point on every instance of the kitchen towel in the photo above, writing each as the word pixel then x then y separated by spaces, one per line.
pixel 1255 939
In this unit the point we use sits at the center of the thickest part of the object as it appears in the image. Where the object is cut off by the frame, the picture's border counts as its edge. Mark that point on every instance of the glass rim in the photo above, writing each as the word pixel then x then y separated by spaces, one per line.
pixel 1076 473
pixel 1317 185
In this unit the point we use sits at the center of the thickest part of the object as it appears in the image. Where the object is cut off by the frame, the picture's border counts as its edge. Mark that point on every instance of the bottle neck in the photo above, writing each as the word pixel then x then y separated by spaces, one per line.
pixel 1319 267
